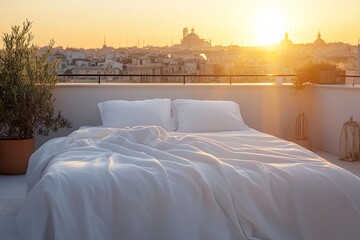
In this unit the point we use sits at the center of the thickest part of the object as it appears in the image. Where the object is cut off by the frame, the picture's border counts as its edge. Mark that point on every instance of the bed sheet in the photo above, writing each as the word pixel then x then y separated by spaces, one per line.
pixel 146 183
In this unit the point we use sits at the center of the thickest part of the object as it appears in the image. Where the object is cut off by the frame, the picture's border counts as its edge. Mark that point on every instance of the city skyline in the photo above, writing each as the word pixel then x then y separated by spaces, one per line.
pixel 159 23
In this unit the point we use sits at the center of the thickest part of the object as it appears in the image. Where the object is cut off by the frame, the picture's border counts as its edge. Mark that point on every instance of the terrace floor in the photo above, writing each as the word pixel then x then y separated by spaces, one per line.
pixel 13 192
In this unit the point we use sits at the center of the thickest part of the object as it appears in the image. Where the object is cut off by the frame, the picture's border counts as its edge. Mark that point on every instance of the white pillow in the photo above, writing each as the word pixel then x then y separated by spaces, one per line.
pixel 208 116
pixel 121 113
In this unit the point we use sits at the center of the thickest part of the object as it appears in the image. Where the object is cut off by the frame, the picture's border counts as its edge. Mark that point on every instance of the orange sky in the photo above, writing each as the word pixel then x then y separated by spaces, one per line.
pixel 78 23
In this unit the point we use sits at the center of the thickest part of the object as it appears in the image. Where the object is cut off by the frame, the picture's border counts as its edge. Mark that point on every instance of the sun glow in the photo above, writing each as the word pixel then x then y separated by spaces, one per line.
pixel 268 27
pixel 160 22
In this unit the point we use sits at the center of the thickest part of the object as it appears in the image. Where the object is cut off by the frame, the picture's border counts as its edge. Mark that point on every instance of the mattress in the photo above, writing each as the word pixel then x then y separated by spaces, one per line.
pixel 147 183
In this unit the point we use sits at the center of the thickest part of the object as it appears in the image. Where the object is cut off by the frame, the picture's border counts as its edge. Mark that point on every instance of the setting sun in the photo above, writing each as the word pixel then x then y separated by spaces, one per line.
pixel 268 27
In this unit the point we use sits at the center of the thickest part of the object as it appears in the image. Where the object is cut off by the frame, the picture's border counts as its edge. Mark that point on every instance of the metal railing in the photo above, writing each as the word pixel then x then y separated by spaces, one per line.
pixel 355 78
pixel 188 78
pixel 164 78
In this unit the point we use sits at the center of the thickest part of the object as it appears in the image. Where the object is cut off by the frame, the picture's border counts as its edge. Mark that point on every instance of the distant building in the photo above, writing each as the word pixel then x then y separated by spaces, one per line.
pixel 144 65
pixel 286 42
pixel 93 70
pixel 81 62
pixel 192 41
pixel 78 55
pixel 319 42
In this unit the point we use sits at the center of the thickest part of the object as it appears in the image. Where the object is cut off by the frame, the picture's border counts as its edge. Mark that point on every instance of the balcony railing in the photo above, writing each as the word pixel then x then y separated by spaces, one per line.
pixel 174 78
pixel 355 78
pixel 191 78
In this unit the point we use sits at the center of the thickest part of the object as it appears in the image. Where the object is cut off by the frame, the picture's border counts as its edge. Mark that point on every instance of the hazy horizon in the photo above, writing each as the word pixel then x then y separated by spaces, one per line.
pixel 160 23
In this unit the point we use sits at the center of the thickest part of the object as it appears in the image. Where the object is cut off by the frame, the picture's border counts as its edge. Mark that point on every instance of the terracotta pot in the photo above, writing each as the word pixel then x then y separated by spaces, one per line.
pixel 15 154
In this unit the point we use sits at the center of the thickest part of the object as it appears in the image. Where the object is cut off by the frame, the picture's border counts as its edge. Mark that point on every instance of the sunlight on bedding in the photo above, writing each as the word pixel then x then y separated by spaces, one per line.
pixel 76 164
pixel 147 183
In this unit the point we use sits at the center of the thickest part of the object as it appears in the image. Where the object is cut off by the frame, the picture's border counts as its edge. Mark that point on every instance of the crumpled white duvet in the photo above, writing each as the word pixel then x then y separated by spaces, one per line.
pixel 145 183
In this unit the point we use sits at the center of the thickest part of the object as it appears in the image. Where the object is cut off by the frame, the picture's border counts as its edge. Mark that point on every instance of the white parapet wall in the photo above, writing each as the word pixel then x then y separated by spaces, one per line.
pixel 268 108
pixel 331 107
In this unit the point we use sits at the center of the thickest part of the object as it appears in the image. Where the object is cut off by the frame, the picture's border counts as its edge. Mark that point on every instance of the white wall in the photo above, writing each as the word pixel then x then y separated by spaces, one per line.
pixel 267 108
pixel 331 107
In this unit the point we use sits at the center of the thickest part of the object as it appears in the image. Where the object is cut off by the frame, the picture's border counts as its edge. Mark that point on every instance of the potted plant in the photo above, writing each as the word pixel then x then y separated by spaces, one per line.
pixel 319 73
pixel 26 104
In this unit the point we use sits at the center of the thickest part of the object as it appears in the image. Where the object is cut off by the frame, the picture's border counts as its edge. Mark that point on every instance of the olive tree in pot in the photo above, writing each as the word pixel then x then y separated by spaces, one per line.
pixel 26 104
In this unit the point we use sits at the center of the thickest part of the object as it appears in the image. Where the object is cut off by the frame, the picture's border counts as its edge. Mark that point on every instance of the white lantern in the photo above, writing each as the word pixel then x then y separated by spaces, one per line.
pixel 349 141
pixel 301 127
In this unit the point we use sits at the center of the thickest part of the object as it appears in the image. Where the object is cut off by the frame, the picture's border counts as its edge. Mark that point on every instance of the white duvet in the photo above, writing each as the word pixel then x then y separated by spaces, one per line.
pixel 145 183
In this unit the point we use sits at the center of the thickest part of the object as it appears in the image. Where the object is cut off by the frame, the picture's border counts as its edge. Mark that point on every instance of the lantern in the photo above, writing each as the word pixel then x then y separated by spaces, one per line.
pixel 301 127
pixel 349 141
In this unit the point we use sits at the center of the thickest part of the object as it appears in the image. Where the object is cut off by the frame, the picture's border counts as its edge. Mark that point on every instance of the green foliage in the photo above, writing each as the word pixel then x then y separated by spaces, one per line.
pixel 310 73
pixel 26 83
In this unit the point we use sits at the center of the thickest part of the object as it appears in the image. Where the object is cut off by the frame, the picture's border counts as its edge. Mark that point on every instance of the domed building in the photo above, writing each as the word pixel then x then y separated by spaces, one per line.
pixel 286 41
pixel 319 42
pixel 192 40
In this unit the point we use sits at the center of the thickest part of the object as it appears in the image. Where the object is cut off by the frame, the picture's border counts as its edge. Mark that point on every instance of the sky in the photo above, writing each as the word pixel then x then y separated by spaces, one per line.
pixel 86 24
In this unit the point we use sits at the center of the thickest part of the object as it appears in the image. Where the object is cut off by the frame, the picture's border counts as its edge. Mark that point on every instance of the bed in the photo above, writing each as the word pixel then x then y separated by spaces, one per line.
pixel 152 182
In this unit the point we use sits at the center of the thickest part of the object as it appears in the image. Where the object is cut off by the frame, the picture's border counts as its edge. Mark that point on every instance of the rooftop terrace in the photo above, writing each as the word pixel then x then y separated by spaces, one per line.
pixel 267 107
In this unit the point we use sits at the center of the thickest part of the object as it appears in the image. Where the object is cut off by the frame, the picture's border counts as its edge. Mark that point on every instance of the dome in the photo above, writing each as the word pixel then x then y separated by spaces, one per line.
pixel 193 40
pixel 191 37
pixel 286 41
pixel 319 41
